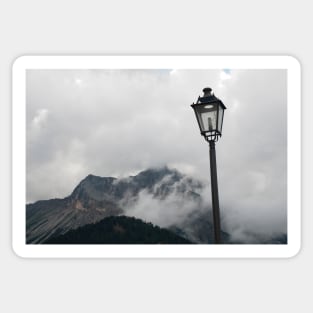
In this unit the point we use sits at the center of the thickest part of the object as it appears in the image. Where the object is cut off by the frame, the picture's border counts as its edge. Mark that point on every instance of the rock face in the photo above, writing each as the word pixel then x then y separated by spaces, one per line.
pixel 54 217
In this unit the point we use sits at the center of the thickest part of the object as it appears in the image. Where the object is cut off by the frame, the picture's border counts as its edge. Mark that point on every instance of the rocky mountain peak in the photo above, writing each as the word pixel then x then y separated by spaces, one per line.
pixel 97 197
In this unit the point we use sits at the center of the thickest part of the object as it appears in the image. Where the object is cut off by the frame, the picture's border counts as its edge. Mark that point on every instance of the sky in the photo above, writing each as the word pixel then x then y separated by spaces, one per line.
pixel 120 122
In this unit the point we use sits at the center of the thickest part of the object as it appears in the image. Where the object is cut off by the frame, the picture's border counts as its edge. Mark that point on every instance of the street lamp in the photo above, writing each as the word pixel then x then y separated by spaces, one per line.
pixel 209 112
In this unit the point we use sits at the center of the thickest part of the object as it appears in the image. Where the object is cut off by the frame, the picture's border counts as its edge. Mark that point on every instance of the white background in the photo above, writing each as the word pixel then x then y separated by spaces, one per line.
pixel 162 27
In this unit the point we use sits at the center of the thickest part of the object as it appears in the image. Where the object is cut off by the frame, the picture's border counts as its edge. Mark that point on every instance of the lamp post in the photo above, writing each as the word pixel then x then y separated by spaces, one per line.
pixel 209 111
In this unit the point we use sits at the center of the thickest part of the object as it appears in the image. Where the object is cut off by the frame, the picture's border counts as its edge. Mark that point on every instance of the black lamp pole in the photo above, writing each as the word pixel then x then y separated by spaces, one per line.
pixel 209 112
pixel 214 190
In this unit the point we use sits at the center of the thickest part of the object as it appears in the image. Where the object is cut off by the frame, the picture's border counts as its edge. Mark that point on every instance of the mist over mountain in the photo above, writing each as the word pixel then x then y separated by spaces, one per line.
pixel 161 196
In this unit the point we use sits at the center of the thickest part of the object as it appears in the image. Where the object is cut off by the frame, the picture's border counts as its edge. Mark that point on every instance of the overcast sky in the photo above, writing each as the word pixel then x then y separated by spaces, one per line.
pixel 119 122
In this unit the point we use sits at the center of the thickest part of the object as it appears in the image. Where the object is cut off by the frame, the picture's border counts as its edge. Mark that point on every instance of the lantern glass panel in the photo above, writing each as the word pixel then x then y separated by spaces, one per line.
pixel 220 118
pixel 207 116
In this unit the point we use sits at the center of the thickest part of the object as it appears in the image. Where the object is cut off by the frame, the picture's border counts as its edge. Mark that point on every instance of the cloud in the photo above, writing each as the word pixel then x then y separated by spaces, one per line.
pixel 119 122
pixel 225 75
pixel 173 208
pixel 40 118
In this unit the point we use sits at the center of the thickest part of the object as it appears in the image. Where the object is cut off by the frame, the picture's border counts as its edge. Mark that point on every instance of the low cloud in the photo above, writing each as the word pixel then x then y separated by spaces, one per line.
pixel 171 208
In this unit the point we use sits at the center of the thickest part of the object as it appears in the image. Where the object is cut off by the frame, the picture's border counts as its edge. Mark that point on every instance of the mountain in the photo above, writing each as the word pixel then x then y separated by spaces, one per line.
pixel 97 197
pixel 198 228
pixel 161 196
pixel 118 230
